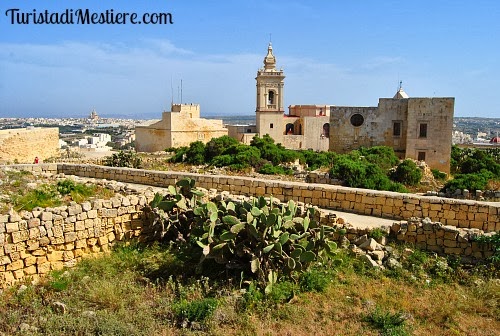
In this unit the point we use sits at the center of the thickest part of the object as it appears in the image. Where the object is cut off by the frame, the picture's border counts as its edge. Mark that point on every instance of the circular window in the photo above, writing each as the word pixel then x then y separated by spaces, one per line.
pixel 357 120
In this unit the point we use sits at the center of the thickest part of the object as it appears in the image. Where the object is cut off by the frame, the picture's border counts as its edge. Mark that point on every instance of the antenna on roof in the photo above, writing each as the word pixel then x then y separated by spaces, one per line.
pixel 171 92
pixel 400 84
pixel 181 91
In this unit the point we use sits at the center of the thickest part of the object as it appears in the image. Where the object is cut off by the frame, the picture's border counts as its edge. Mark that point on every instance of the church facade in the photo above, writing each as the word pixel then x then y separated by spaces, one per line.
pixel 417 128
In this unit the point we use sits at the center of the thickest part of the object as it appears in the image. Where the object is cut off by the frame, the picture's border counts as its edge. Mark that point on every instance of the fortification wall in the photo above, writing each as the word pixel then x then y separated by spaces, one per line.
pixel 460 213
pixel 23 145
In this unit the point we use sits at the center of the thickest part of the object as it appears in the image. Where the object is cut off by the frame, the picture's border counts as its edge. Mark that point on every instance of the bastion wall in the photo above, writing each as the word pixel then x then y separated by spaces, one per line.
pixel 24 144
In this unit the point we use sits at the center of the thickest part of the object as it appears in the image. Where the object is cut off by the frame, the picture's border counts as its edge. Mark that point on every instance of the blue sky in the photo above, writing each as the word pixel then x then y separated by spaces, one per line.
pixel 332 52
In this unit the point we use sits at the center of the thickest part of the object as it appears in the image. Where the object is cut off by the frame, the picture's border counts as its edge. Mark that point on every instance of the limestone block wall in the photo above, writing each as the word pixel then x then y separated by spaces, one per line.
pixel 32 243
pixel 442 239
pixel 459 213
pixel 24 144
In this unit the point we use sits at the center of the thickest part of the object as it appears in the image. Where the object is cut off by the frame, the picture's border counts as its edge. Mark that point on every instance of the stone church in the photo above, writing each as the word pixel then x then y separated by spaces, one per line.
pixel 417 128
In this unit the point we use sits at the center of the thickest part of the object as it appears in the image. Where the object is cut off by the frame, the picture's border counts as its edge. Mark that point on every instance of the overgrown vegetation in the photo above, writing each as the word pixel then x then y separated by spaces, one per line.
pixel 24 191
pixel 494 240
pixel 356 171
pixel 364 168
pixel 474 169
pixel 152 290
pixel 123 159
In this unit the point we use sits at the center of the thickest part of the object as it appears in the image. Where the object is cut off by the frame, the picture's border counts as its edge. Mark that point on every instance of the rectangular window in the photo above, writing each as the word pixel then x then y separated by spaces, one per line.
pixel 271 125
pixel 249 130
pixel 422 133
pixel 421 156
pixel 396 129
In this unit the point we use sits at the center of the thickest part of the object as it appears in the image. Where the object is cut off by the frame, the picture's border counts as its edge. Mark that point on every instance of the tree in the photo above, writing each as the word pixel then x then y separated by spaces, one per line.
pixel 407 173
pixel 217 146
pixel 195 154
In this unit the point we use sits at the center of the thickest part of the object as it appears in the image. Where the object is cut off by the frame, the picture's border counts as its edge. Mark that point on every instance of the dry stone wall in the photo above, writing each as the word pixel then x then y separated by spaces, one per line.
pixel 460 213
pixel 33 243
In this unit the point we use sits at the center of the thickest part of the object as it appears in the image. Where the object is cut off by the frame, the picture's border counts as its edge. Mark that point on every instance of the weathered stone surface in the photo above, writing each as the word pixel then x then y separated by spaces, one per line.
pixel 369 261
pixel 370 245
pixel 59 307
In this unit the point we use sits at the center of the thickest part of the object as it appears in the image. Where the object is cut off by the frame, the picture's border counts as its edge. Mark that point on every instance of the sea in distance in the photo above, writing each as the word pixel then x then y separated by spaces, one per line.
pixel 235 120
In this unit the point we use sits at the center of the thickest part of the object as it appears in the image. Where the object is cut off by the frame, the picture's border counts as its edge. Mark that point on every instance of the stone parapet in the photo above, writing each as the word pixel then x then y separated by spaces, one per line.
pixel 460 213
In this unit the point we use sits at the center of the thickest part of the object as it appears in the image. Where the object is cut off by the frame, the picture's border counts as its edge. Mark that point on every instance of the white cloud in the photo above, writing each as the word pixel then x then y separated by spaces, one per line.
pixel 72 77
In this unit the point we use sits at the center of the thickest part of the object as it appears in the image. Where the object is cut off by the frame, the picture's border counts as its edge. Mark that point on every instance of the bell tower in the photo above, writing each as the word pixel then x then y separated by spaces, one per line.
pixel 269 106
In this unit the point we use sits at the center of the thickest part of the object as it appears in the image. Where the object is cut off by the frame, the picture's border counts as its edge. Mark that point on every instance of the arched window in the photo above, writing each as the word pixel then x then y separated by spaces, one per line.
pixel 270 97
pixel 326 130
pixel 289 129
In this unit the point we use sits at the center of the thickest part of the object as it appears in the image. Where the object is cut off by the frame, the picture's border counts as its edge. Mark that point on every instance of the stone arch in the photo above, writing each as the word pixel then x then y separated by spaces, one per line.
pixel 289 129
pixel 271 97
pixel 326 130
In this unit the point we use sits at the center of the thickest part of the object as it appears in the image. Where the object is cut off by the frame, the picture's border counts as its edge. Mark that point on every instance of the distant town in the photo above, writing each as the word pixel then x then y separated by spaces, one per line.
pixel 95 133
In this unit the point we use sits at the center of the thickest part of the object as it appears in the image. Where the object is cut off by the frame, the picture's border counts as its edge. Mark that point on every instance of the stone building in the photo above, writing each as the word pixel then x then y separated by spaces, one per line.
pixel 304 127
pixel 417 128
pixel 24 144
pixel 179 127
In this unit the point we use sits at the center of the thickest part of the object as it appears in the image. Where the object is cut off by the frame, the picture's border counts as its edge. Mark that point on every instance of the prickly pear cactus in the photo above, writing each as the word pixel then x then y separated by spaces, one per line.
pixel 261 238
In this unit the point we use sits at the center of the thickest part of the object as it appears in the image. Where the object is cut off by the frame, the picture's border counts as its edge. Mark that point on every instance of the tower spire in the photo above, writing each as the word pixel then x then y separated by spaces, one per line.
pixel 270 60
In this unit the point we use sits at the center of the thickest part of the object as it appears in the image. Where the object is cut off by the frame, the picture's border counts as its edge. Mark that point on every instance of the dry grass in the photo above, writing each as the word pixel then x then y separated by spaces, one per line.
pixel 127 297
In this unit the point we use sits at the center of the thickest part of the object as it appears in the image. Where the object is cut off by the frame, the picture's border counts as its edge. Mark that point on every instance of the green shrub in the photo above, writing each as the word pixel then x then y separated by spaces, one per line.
pixel 315 160
pixel 382 156
pixel 195 154
pixel 272 152
pixel 407 173
pixel 59 280
pixel 269 169
pixel 392 324
pixel 217 146
pixel 282 291
pixel 79 192
pixel 195 311
pixel 473 161
pixel 243 155
pixel 44 196
pixel 470 182
pixel 314 281
pixel 123 159
pixel 179 154
pixel 222 160
pixel 438 175
pixel 494 240
pixel 353 173
pixel 357 173
pixel 377 233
